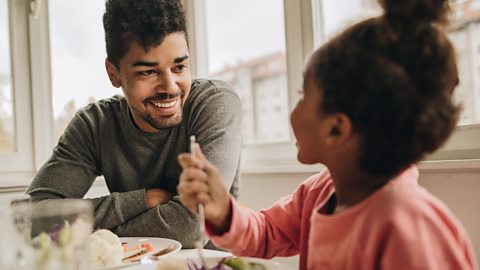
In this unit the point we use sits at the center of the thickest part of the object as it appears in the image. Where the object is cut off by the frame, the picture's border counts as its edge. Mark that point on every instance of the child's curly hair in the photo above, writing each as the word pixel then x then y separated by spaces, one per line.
pixel 144 21
pixel 394 77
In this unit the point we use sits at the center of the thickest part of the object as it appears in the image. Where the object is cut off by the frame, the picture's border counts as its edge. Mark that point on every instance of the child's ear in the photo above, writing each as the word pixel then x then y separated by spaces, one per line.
pixel 112 74
pixel 340 129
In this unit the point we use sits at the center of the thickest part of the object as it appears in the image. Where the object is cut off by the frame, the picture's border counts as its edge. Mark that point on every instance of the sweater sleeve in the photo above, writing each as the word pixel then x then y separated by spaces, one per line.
pixel 265 234
pixel 71 170
pixel 170 220
pixel 216 122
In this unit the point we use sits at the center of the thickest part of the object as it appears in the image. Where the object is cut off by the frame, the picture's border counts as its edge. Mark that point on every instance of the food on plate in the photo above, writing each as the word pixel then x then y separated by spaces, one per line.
pixel 234 263
pixel 134 255
pixel 105 249
pixel 57 244
pixel 148 246
pixel 238 263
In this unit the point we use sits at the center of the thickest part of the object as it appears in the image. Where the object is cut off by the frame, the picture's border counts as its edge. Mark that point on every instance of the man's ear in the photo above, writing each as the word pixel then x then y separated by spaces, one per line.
pixel 341 129
pixel 112 74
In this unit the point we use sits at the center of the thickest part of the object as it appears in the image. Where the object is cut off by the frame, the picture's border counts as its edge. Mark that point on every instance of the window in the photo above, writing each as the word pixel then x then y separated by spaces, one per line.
pixel 475 6
pixel 339 14
pixel 307 24
pixel 77 59
pixel 68 47
pixel 16 130
pixel 465 35
pixel 251 57
pixel 7 118
pixel 464 32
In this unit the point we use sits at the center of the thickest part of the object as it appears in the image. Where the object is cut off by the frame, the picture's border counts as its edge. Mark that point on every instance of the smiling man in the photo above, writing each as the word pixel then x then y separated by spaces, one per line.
pixel 133 140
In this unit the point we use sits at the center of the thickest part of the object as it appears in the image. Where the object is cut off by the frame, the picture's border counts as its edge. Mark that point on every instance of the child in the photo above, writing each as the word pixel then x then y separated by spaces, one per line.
pixel 377 99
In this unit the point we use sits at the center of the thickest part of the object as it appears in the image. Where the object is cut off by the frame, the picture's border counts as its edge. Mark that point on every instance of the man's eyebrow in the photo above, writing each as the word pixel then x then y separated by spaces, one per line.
pixel 145 63
pixel 180 59
pixel 153 64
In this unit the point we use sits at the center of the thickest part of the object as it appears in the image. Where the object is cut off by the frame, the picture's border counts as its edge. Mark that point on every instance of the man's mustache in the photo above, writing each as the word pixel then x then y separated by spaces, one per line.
pixel 165 96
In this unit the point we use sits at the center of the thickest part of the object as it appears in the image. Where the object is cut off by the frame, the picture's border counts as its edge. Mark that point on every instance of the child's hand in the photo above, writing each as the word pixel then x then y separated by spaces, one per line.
pixel 201 183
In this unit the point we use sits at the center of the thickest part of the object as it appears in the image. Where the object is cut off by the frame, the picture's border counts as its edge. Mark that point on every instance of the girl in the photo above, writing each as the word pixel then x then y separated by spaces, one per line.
pixel 377 99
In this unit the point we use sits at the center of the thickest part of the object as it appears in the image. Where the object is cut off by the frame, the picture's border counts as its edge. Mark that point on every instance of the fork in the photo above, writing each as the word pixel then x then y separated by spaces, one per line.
pixel 200 216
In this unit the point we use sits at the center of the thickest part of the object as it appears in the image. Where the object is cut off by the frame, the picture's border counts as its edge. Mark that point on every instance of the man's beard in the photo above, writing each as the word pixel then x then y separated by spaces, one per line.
pixel 162 123
pixel 167 122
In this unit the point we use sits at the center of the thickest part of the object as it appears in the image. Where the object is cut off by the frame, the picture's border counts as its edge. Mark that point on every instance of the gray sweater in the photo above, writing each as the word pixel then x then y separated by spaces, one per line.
pixel 102 140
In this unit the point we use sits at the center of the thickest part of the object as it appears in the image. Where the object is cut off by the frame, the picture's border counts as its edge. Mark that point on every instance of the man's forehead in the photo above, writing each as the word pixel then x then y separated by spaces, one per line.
pixel 174 50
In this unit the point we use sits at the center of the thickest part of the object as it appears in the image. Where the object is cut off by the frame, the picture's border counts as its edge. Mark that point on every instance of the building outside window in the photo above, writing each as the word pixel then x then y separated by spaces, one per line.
pixel 251 57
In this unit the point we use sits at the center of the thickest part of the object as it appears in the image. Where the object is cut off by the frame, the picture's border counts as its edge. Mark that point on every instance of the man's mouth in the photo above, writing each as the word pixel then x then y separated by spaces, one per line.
pixel 160 104
pixel 161 97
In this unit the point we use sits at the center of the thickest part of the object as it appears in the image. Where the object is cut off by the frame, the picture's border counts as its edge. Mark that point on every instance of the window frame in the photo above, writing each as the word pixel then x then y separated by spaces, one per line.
pixel 29 43
pixel 304 32
pixel 30 54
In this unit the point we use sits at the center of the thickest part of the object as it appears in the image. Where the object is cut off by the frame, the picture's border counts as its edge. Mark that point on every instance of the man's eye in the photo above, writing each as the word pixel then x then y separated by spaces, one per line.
pixel 179 68
pixel 146 72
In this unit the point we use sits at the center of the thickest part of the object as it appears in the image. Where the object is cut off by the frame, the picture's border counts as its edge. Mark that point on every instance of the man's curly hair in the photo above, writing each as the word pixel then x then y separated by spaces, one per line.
pixel 146 22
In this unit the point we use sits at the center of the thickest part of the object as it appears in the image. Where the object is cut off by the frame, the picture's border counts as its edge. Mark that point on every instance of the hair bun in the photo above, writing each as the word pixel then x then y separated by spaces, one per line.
pixel 415 11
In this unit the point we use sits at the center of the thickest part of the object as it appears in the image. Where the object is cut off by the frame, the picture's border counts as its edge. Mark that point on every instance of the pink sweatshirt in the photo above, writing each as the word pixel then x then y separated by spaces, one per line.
pixel 400 226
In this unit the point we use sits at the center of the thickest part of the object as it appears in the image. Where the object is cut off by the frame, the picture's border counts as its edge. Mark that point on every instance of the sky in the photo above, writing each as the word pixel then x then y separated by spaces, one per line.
pixel 261 30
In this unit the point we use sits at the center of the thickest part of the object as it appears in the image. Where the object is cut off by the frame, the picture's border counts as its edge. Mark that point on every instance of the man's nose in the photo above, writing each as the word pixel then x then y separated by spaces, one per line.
pixel 167 82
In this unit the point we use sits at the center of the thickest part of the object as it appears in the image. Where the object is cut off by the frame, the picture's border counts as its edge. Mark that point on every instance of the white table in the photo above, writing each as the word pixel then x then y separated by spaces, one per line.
pixel 207 253
pixel 184 254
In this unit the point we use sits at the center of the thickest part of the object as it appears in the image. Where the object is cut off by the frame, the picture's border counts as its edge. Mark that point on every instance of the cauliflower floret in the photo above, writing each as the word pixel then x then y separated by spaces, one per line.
pixel 105 249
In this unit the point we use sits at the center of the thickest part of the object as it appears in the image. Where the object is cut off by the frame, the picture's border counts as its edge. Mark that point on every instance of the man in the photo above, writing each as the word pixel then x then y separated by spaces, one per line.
pixel 134 141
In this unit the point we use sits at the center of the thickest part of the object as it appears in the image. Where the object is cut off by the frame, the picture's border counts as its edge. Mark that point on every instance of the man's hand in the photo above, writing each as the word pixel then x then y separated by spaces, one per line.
pixel 156 196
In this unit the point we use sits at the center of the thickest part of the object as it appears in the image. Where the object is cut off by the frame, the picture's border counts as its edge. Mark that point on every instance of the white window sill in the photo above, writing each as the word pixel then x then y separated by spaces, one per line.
pixel 293 166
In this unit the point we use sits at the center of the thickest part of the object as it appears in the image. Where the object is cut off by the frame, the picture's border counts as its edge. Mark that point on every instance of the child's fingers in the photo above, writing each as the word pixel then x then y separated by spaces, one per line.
pixel 190 188
pixel 187 160
pixel 192 174
pixel 199 153
pixel 192 199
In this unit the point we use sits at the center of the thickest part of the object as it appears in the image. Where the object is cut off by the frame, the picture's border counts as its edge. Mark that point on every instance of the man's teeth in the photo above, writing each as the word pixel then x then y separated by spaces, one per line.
pixel 164 104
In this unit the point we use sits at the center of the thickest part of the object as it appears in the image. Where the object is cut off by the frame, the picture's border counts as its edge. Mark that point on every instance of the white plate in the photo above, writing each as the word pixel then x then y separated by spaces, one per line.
pixel 157 244
pixel 270 265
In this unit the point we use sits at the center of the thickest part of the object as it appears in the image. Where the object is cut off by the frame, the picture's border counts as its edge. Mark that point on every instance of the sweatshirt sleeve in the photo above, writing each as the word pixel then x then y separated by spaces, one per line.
pixel 71 170
pixel 171 220
pixel 216 122
pixel 265 234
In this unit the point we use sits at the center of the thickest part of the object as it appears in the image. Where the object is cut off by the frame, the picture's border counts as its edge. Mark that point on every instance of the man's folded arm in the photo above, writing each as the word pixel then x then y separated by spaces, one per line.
pixel 71 171
pixel 170 220
pixel 108 211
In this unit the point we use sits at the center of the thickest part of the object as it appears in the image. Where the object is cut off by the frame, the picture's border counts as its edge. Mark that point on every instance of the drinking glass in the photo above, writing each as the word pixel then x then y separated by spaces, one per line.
pixel 14 254
pixel 56 232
